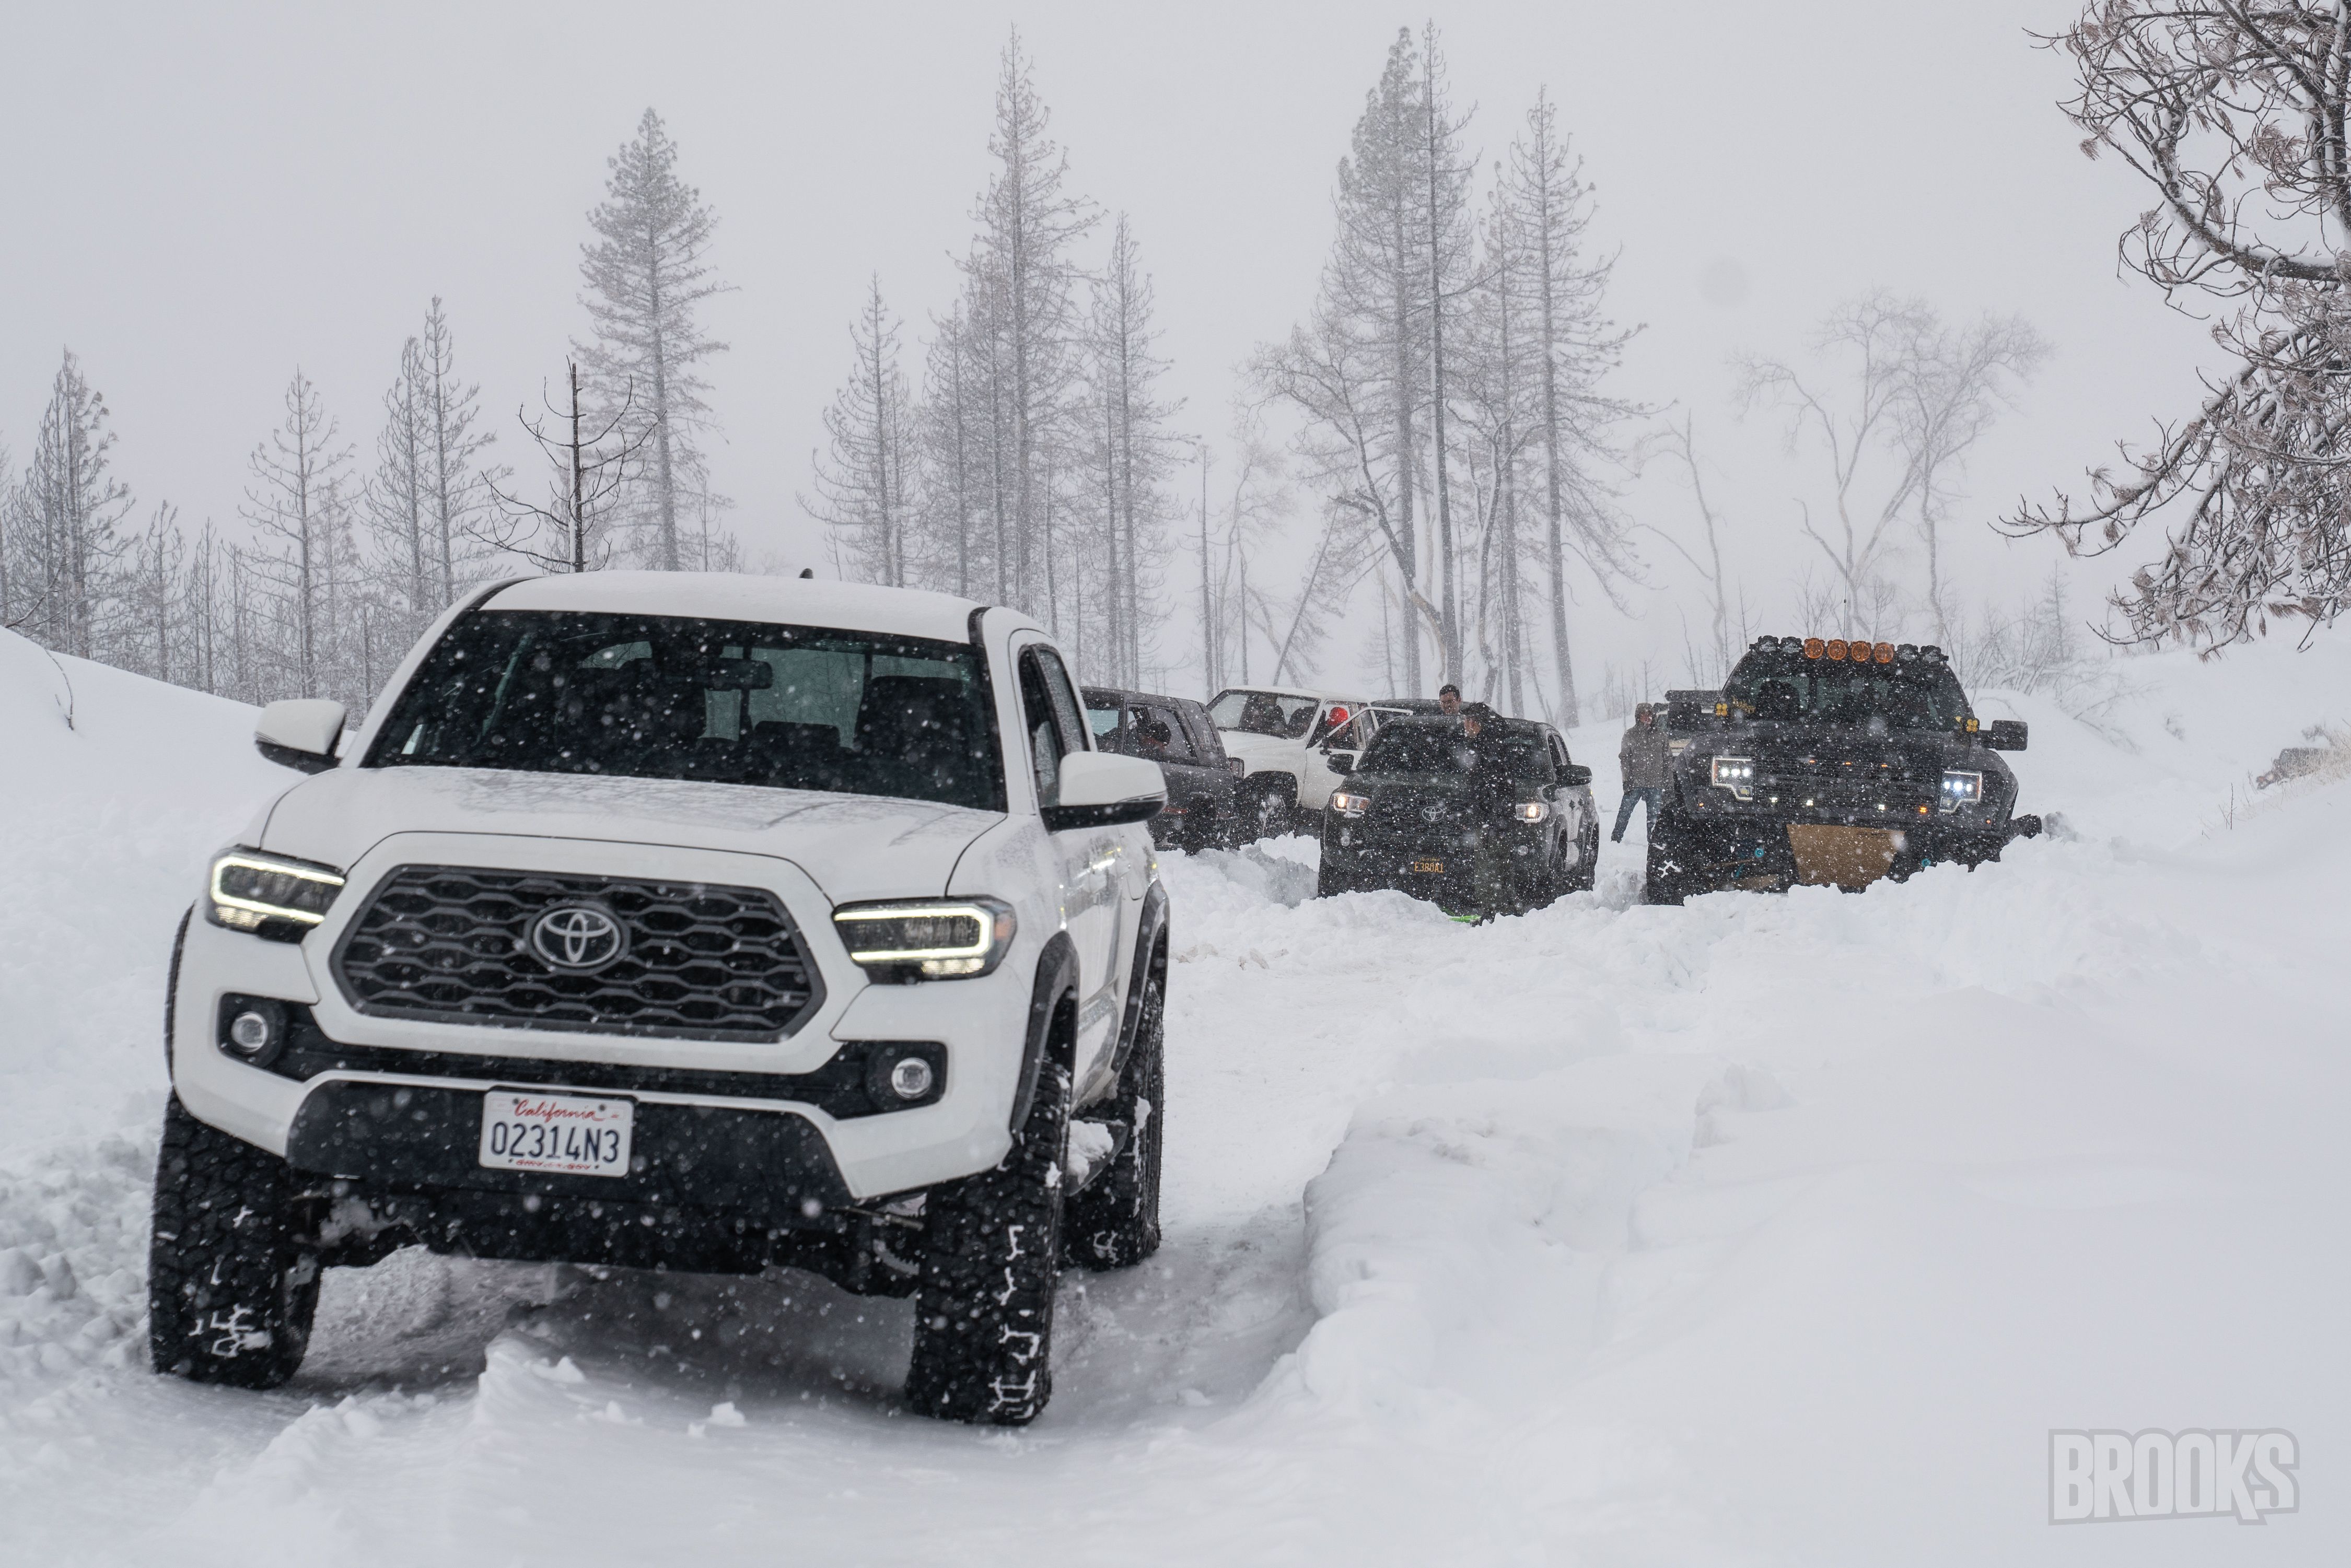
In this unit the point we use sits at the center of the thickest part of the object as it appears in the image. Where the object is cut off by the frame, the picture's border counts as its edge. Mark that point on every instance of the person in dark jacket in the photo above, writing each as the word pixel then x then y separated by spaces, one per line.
pixel 1492 794
pixel 1643 755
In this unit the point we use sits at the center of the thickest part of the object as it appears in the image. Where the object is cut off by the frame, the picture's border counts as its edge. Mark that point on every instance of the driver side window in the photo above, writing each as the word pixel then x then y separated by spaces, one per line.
pixel 1049 714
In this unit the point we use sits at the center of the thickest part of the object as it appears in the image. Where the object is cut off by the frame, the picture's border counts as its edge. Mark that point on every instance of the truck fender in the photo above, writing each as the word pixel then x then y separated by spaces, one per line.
pixel 1150 954
pixel 1057 980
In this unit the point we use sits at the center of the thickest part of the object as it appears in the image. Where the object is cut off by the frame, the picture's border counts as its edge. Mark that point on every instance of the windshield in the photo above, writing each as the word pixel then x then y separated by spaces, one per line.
pixel 787 707
pixel 1278 714
pixel 1911 695
pixel 1409 748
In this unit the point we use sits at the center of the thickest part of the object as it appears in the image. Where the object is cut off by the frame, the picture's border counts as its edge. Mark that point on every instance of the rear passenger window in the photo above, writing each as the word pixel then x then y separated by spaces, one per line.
pixel 1167 729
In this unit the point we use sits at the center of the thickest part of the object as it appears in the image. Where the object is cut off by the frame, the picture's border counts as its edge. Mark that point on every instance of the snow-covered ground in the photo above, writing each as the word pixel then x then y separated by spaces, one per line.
pixel 1768 1230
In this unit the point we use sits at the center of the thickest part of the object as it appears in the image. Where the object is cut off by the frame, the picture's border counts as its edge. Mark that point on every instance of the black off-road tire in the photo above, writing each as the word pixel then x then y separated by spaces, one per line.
pixel 230 1292
pixel 1113 1223
pixel 991 1258
pixel 1666 880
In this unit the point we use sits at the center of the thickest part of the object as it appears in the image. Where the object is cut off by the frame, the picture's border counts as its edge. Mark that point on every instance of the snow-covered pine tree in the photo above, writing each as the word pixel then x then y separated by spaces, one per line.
pixel 1357 370
pixel 456 476
pixel 952 432
pixel 1442 177
pixel 1496 383
pixel 152 636
pixel 404 563
pixel 861 481
pixel 296 504
pixel 1021 282
pixel 646 277
pixel 1135 453
pixel 69 517
pixel 1576 345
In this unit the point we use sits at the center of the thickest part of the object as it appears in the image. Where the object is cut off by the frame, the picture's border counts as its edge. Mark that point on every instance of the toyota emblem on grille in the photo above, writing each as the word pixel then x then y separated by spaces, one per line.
pixel 578 936
pixel 1431 813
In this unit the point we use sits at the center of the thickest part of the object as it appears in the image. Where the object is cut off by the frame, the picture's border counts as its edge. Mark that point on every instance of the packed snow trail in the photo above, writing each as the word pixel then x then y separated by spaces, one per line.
pixel 1764 1229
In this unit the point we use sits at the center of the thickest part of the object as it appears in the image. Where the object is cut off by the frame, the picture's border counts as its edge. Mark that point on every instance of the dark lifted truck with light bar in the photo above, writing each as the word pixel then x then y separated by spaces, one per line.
pixel 1833 763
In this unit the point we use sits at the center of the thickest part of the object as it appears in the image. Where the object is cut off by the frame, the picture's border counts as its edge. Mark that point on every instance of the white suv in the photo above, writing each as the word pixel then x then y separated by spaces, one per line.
pixel 1285 739
pixel 698 923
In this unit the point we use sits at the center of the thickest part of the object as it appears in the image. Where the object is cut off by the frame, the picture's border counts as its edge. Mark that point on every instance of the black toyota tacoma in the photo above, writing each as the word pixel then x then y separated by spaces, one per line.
pixel 1833 762
pixel 1406 818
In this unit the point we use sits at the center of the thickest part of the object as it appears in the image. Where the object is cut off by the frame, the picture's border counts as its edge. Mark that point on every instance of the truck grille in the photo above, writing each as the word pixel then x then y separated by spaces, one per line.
pixel 452 943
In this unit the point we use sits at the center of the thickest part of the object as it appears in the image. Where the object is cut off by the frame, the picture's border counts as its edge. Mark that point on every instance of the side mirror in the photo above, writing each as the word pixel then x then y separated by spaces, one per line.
pixel 1344 762
pixel 1575 774
pixel 300 733
pixel 2004 735
pixel 1100 789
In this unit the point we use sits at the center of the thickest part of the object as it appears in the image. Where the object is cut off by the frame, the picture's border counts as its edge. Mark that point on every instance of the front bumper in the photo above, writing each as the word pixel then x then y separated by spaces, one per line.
pixel 761 1126
pixel 773 1170
pixel 1439 865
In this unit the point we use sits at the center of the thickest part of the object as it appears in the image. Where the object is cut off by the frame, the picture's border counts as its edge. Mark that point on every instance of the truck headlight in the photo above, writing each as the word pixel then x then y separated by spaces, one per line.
pixel 1532 810
pixel 1735 774
pixel 1348 804
pixel 946 939
pixel 270 896
pixel 1961 789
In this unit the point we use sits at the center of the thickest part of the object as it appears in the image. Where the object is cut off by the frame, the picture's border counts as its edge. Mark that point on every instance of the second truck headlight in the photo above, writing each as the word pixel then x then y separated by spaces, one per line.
pixel 941 939
pixel 1961 789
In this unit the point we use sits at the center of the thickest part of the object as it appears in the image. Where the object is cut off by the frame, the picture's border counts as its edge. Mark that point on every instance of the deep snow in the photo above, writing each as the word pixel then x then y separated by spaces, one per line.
pixel 1765 1229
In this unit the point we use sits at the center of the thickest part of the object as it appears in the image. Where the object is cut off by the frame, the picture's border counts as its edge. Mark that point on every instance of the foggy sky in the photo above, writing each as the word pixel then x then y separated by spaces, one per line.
pixel 200 202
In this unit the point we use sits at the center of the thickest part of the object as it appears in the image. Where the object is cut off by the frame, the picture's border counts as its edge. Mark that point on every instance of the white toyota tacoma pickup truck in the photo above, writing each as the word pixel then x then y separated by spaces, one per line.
pixel 702 923
pixel 1284 740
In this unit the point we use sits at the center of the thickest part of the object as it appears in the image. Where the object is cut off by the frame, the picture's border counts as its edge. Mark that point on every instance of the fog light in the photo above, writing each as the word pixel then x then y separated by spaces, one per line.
pixel 911 1078
pixel 252 1029
pixel 903 1074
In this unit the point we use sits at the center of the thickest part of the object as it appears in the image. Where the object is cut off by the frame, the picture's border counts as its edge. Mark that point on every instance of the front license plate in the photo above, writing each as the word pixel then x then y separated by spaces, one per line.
pixel 1431 866
pixel 561 1132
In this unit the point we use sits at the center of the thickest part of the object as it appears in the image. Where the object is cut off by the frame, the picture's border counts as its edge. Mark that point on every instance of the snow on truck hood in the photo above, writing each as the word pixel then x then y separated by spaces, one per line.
pixel 853 846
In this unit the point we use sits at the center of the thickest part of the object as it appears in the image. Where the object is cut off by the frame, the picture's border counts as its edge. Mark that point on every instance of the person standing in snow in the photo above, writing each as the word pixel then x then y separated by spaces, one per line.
pixel 1492 793
pixel 1643 755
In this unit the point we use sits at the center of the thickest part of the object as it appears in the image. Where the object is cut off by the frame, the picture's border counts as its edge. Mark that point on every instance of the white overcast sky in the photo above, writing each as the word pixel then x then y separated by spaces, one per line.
pixel 202 198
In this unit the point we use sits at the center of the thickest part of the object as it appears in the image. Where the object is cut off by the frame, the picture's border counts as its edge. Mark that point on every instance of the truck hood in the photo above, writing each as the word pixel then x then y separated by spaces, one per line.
pixel 1262 750
pixel 852 846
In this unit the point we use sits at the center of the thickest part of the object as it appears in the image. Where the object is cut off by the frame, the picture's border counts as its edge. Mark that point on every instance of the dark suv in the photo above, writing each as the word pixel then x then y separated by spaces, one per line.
pixel 1406 818
pixel 1176 734
pixel 1833 763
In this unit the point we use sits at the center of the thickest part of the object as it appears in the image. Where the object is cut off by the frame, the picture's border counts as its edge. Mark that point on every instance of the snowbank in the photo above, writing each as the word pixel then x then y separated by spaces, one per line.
pixel 116 789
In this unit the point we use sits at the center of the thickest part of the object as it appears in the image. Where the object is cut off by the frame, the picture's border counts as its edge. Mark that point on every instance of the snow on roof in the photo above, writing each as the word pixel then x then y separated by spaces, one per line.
pixel 738 596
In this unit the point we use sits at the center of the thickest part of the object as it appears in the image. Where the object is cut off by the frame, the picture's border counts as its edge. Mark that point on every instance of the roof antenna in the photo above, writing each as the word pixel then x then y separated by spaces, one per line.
pixel 807 571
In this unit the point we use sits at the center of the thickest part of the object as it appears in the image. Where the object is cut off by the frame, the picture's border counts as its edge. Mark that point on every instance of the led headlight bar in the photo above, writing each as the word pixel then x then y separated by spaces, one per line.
pixel 270 896
pixel 1961 789
pixel 1735 774
pixel 940 940
pixel 1532 810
